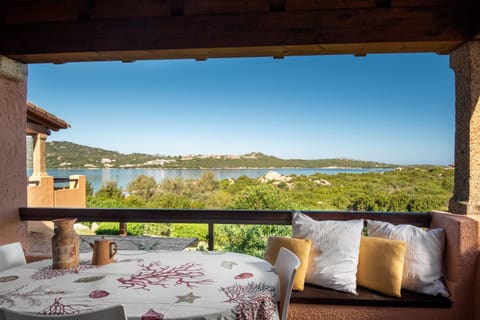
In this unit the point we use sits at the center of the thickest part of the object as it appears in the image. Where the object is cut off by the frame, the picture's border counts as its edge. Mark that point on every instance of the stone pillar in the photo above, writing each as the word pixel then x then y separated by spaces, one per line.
pixel 39 155
pixel 465 61
pixel 13 175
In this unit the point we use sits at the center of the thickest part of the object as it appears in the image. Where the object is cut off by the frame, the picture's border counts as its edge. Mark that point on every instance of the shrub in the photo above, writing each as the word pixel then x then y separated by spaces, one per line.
pixel 108 228
pixel 157 229
pixel 185 230
pixel 249 239
pixel 113 228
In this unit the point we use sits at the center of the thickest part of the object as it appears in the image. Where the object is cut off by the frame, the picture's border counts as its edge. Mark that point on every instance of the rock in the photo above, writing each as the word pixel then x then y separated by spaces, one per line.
pixel 79 226
pixel 274 176
pixel 322 182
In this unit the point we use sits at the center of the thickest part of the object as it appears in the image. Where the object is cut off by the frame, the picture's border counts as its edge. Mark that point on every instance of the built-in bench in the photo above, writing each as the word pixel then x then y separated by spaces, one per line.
pixel 318 295
pixel 320 303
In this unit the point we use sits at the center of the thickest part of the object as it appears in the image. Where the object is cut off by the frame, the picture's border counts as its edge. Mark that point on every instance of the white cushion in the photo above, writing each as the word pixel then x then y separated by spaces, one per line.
pixel 334 255
pixel 422 271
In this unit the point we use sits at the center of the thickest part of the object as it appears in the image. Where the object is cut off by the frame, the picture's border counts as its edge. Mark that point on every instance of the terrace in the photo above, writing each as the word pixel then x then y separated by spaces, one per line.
pixel 60 32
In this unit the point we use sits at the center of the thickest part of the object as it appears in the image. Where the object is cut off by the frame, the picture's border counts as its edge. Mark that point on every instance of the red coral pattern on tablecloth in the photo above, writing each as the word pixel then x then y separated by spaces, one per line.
pixel 58 308
pixel 156 274
pixel 48 272
pixel 10 297
pixel 255 300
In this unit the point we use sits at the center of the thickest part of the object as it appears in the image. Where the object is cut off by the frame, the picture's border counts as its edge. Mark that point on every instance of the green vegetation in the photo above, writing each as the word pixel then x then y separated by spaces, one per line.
pixel 407 190
pixel 63 154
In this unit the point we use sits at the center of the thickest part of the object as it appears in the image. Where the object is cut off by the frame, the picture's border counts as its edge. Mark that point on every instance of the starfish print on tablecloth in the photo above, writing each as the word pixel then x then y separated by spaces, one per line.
pixel 228 264
pixel 190 298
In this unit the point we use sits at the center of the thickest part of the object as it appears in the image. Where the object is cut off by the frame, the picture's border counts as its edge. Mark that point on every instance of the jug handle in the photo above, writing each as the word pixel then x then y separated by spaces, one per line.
pixel 89 243
pixel 113 249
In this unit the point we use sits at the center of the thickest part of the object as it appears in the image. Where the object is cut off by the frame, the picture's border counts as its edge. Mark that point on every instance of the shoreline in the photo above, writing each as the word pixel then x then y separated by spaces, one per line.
pixel 233 168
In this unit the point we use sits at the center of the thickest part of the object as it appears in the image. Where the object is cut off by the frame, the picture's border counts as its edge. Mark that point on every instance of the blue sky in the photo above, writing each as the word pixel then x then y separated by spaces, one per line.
pixel 389 108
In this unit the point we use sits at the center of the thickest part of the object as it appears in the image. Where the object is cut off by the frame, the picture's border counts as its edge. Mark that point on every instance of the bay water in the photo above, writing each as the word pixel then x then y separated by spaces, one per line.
pixel 97 177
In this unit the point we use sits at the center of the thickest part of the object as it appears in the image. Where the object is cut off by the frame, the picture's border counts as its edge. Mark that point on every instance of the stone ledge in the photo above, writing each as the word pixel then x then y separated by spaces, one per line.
pixel 13 70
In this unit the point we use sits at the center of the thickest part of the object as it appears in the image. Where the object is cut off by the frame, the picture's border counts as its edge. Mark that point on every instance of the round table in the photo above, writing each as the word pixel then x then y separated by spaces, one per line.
pixel 150 284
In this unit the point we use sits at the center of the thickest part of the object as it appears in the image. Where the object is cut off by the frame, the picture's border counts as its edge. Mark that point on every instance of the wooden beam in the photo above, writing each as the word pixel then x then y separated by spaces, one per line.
pixel 35 128
pixel 276 5
pixel 85 8
pixel 438 29
pixel 474 18
pixel 176 7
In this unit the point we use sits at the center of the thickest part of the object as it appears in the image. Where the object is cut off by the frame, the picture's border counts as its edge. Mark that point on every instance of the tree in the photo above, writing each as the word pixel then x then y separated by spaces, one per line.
pixel 143 186
pixel 262 197
pixel 252 239
pixel 110 190
pixel 208 182
pixel 172 185
pixel 88 189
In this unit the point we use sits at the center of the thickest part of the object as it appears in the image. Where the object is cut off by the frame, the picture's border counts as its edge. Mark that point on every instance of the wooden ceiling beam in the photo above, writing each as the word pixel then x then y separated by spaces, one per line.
pixel 35 128
pixel 177 7
pixel 276 5
pixel 85 8
pixel 438 28
pixel 475 21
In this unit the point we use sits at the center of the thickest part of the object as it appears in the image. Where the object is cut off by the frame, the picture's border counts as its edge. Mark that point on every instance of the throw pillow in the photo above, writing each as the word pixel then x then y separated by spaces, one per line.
pixel 300 247
pixel 334 255
pixel 380 265
pixel 422 271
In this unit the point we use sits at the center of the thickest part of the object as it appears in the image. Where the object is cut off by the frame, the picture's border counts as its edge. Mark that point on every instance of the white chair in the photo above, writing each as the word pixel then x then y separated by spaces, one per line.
pixel 115 312
pixel 286 266
pixel 11 255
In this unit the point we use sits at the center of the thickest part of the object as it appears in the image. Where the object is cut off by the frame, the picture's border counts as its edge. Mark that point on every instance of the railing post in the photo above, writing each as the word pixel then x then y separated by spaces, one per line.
pixel 211 231
pixel 123 229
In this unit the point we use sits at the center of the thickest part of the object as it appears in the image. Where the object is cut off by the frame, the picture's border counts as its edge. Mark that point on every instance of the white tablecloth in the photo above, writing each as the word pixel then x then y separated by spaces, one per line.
pixel 151 285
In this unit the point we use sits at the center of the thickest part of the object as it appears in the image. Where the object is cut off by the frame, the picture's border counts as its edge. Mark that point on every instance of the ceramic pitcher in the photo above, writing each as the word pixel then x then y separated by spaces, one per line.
pixel 103 251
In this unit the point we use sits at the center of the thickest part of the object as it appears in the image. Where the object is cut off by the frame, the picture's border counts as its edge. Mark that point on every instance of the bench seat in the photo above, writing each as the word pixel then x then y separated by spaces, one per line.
pixel 462 238
pixel 319 295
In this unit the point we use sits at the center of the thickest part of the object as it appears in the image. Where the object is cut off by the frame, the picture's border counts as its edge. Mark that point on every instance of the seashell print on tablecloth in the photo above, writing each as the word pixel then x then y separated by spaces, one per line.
pixel 98 294
pixel 8 278
pixel 244 275
pixel 89 279
pixel 152 315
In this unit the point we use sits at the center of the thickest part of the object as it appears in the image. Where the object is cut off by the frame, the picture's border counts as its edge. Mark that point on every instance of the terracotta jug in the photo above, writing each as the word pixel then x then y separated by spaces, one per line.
pixel 65 244
pixel 103 251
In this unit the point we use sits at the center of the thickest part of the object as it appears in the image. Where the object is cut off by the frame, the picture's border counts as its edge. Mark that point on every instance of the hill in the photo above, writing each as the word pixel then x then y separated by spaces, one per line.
pixel 63 154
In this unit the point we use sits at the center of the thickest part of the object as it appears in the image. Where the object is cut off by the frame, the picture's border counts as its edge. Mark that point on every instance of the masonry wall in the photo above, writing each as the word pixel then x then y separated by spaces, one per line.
pixel 13 177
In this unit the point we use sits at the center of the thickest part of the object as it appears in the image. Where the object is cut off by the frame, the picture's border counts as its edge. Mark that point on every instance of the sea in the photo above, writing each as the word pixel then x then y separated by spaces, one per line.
pixel 98 177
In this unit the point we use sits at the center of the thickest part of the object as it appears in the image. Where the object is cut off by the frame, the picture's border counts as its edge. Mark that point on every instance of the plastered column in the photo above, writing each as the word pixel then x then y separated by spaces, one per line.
pixel 465 61
pixel 13 176
pixel 39 155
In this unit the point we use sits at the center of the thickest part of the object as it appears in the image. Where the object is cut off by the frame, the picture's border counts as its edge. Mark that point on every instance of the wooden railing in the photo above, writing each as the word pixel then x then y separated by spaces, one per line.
pixel 212 217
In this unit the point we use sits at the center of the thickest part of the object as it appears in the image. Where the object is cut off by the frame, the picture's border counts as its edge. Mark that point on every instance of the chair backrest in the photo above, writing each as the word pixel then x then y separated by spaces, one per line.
pixel 286 266
pixel 11 255
pixel 115 312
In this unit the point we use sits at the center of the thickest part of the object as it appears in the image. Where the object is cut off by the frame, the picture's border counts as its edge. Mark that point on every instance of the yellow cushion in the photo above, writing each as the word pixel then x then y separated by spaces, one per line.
pixel 380 265
pixel 300 247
